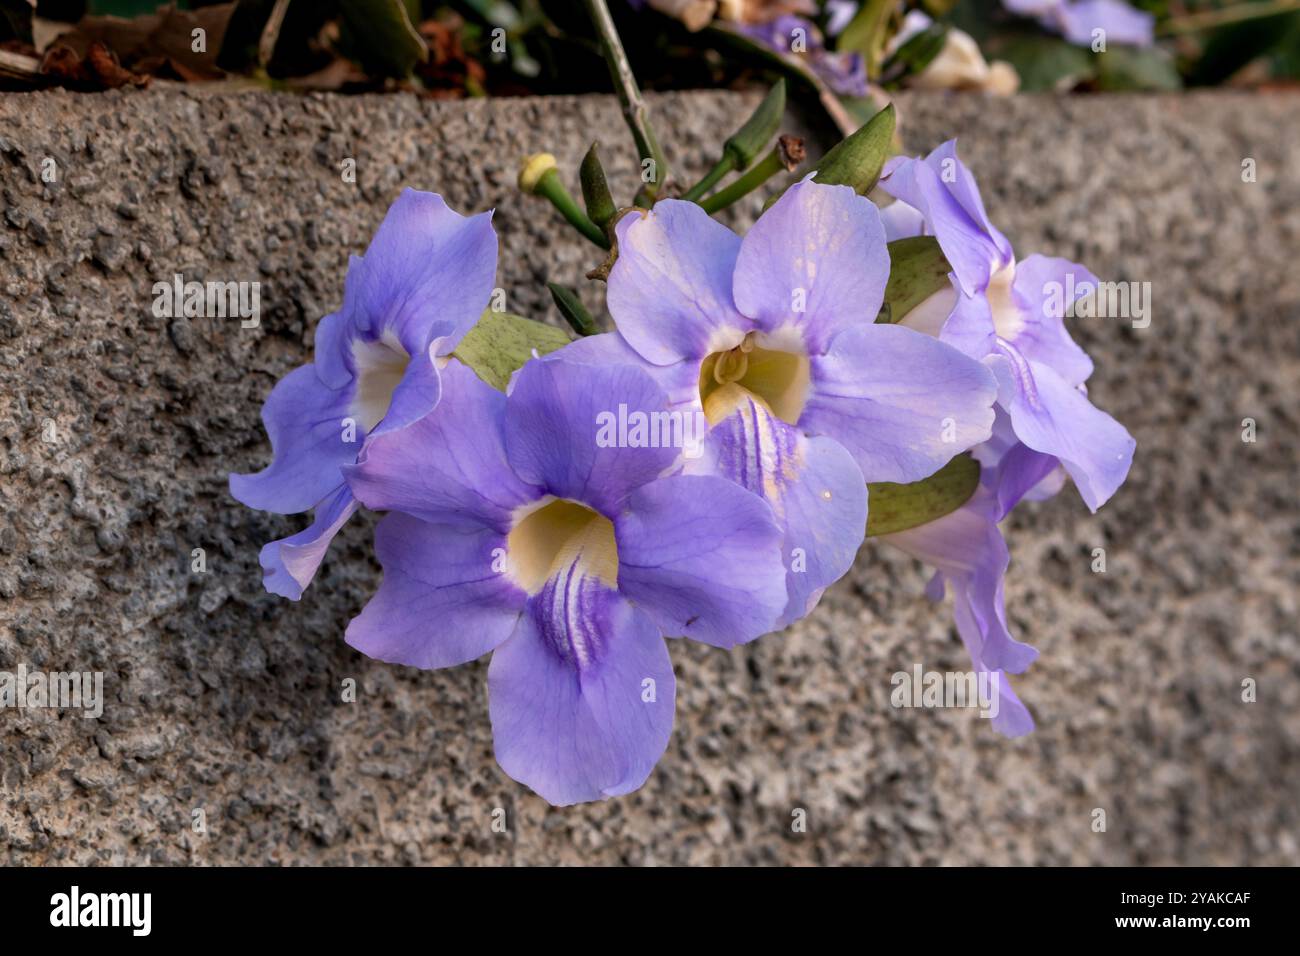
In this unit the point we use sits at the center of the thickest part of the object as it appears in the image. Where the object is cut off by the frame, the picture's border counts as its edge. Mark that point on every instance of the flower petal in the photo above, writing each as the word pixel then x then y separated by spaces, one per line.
pixel 305 420
pixel 444 599
pixel 901 402
pixel 1041 287
pixel 289 564
pixel 559 417
pixel 1120 22
pixel 816 260
pixel 701 556
pixel 1055 418
pixel 943 189
pixel 902 221
pixel 427 274
pixel 967 549
pixel 450 467
pixel 1013 718
pixel 670 290
pixel 813 486
pixel 416 394
pixel 1023 473
pixel 582 695
pixel 680 381
pixel 332 347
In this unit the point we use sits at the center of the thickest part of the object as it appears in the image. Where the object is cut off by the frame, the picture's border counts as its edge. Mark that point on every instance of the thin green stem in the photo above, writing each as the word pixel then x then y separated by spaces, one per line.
pixel 769 166
pixel 629 94
pixel 1208 19
pixel 550 187
pixel 725 165
pixel 571 307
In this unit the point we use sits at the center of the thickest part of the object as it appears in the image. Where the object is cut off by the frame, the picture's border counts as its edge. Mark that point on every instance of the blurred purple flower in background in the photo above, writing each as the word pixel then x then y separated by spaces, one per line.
pixel 1077 19
pixel 844 73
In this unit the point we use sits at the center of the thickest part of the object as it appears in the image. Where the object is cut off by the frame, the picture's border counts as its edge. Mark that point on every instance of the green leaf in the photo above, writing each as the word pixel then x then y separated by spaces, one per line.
pixel 1045 64
pixel 378 34
pixel 1124 68
pixel 501 343
pixel 595 189
pixel 857 160
pixel 892 508
pixel 916 54
pixel 1229 48
pixel 917 270
pixel 865 33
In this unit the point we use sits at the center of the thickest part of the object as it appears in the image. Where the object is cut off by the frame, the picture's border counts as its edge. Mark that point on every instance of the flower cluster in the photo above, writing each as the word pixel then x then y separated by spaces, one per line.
pixel 765 397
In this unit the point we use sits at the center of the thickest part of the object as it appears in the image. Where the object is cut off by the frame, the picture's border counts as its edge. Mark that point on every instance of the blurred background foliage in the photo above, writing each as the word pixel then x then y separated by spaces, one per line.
pixel 848 60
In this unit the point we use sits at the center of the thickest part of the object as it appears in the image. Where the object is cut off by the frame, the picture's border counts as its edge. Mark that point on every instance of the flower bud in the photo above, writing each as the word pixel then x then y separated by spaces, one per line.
pixel 534 168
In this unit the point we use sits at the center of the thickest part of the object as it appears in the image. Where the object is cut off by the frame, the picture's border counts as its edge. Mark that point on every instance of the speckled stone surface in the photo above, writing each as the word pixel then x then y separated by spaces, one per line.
pixel 226 699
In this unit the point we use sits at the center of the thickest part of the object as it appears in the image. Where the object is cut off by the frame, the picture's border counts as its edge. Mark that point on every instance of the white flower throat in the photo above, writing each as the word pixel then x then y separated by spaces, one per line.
pixel 380 366
pixel 550 535
pixel 777 378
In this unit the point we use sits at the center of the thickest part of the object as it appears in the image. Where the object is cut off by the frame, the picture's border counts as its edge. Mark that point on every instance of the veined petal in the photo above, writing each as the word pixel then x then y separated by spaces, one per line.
pixel 680 381
pixel 816 261
pixel 1044 288
pixel 306 422
pixel 332 348
pixel 416 394
pixel 969 327
pixel 945 193
pixel 427 274
pixel 1023 473
pixel 289 564
pixel 813 486
pixel 445 598
pixel 967 549
pixel 565 431
pixel 582 695
pixel 670 290
pixel 450 467
pixel 701 556
pixel 1055 418
pixel 901 402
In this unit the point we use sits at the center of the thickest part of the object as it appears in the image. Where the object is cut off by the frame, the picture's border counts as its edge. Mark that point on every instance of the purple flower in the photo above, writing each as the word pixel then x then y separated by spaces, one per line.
pixel 969 555
pixel 1010 315
pixel 519 530
pixel 420 287
pixel 773 340
pixel 844 73
pixel 1077 20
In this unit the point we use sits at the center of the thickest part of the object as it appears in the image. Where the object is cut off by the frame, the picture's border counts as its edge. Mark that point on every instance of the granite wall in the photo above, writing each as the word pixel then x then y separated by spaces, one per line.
pixel 117 430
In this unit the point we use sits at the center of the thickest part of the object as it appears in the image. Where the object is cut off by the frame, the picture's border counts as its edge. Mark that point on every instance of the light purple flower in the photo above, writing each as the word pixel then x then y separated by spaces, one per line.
pixel 1077 19
pixel 420 287
pixel 773 340
pixel 1010 315
pixel 790 35
pixel 969 555
pixel 840 14
pixel 518 531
